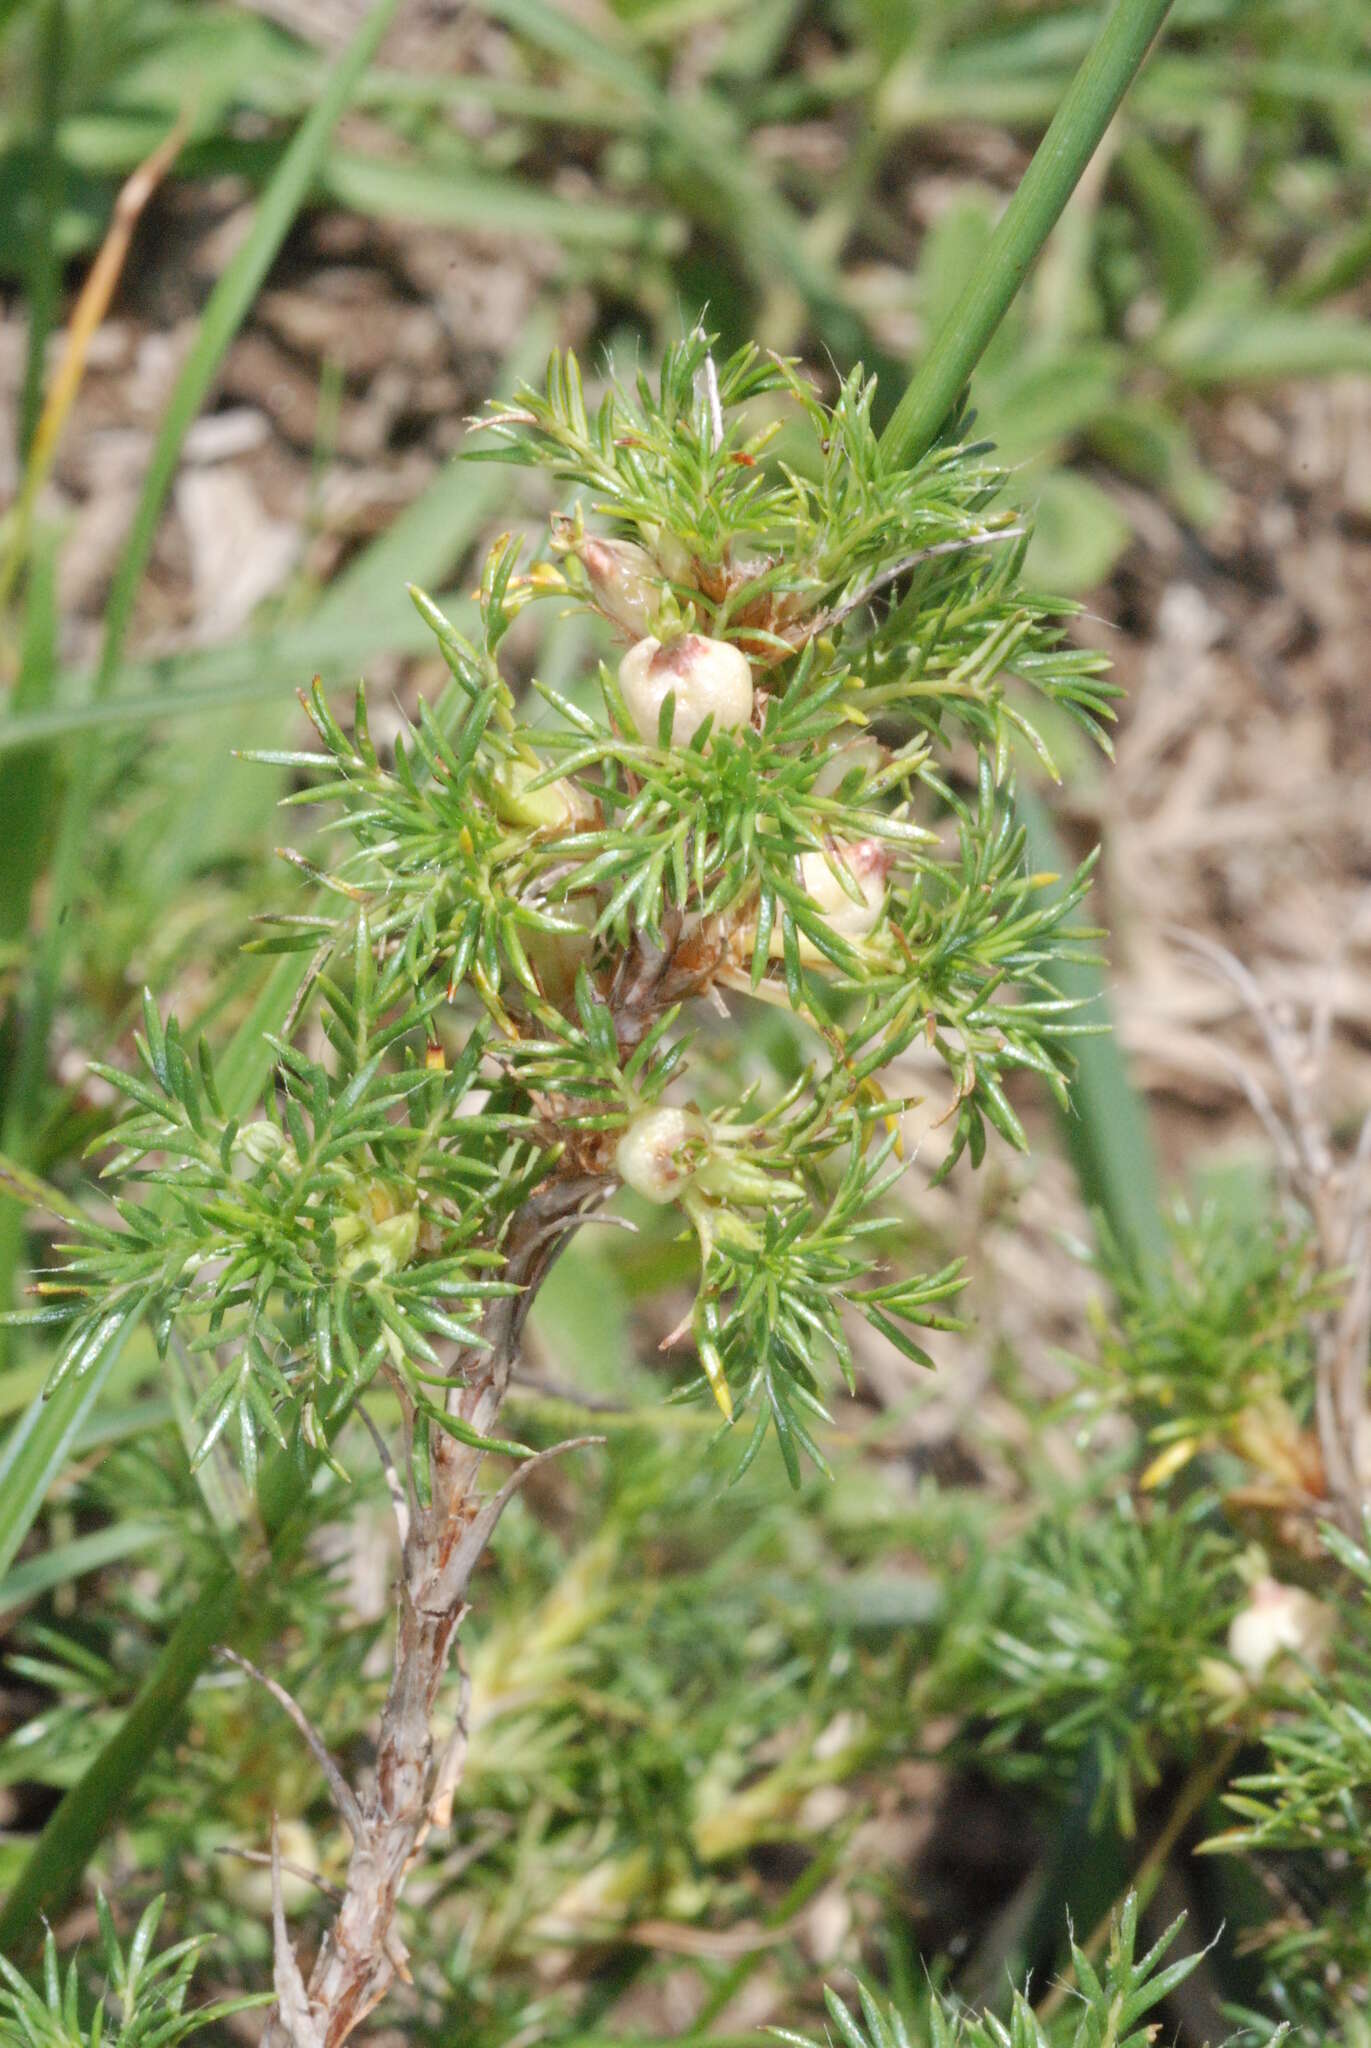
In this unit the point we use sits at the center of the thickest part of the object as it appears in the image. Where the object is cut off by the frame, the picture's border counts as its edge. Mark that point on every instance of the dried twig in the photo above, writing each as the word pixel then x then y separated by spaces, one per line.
pixel 292 1999
pixel 300 1870
pixel 89 311
pixel 343 1796
pixel 394 1483
pixel 412 1788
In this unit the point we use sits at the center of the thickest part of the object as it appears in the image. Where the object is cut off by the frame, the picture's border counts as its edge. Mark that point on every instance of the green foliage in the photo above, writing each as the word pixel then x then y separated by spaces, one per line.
pixel 666 1675
pixel 365 1214
pixel 1104 2012
pixel 290 1240
pixel 1314 1795
pixel 786 552
pixel 1304 1814
pixel 1222 1336
pixel 660 1676
pixel 143 2005
pixel 1102 1646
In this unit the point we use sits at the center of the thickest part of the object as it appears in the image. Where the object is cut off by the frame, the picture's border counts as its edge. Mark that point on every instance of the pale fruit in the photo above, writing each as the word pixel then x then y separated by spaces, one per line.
pixel 558 957
pixel 1278 1621
pixel 261 1143
pixel 707 677
pixel 658 1154
pixel 867 861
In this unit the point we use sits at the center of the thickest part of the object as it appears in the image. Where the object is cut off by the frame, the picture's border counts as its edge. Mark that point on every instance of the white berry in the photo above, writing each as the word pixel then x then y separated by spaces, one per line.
pixel 1278 1621
pixel 868 863
pixel 658 1154
pixel 864 753
pixel 707 677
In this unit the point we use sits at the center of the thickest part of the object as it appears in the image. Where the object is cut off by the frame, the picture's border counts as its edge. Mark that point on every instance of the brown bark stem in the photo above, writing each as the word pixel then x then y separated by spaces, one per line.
pixel 362 1953
pixel 412 1786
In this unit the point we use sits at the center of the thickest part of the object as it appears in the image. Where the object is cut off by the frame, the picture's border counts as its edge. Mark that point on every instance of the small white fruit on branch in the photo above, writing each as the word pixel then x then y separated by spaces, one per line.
pixel 850 908
pixel 851 903
pixel 708 678
pixel 659 1152
pixel 1279 1622
pixel 865 753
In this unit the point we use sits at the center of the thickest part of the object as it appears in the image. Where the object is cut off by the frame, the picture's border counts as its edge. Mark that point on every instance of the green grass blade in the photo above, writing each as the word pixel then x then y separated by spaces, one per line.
pixel 59 1856
pixel 35 1451
pixel 1334 266
pixel 36 1448
pixel 1070 142
pixel 26 805
pixel 1105 1129
pixel 414 191
pixel 68 1561
pixel 720 179
pixel 26 787
pixel 43 264
pixel 1250 345
pixel 366 611
pixel 229 304
pixel 8 10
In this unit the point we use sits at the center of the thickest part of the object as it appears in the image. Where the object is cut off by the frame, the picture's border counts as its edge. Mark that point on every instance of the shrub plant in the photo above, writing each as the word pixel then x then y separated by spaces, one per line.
pixel 496 1026
pixel 786 791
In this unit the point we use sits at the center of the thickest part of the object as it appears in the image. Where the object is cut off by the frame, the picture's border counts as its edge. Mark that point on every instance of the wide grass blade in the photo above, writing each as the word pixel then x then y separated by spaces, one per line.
pixel 720 180
pixel 366 610
pixel 37 1449
pixel 415 191
pixel 228 306
pixel 251 670
pixel 68 1561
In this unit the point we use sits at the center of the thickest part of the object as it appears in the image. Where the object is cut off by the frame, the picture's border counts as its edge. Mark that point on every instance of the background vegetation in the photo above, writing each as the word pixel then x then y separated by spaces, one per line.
pixel 728 1742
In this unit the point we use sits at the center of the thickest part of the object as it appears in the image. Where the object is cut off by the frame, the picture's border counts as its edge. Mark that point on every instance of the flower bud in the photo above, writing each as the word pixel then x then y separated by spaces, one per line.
pixel 261 1143
pixel 623 582
pixel 1278 1621
pixel 387 1245
pixel 556 806
pixel 671 554
pixel 659 1152
pixel 707 677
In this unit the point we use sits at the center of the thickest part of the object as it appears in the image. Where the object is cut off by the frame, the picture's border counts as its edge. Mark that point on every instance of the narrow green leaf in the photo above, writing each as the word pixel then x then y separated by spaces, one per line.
pixel 67 1561
pixel 36 1448
pixel 1090 104
pixel 58 1857
pixel 1105 1127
